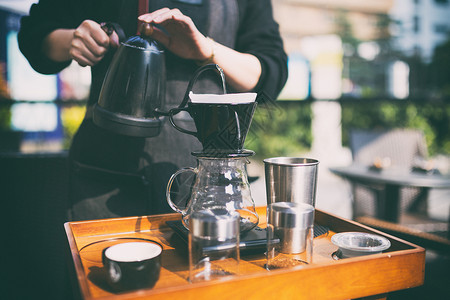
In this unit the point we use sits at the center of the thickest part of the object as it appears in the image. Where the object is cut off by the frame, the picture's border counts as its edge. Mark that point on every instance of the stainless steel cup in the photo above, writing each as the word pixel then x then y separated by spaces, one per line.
pixel 213 244
pixel 291 179
pixel 290 233
pixel 292 222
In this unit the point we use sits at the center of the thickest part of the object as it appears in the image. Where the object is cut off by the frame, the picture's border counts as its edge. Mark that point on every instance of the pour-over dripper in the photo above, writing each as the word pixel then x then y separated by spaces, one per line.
pixel 220 127
pixel 222 120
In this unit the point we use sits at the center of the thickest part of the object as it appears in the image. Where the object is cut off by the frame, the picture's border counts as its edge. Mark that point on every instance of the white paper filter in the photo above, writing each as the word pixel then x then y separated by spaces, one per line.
pixel 223 98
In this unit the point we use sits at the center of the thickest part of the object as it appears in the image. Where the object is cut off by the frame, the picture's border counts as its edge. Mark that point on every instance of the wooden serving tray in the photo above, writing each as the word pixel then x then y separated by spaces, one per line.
pixel 401 266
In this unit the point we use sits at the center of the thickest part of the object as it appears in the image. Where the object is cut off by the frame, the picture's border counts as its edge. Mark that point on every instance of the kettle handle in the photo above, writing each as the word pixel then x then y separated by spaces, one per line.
pixel 183 103
pixel 169 187
pixel 110 27
pixel 194 79
pixel 173 112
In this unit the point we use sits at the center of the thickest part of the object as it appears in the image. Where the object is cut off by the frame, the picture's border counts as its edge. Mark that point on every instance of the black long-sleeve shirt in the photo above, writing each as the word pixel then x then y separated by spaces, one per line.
pixel 257 32
pixel 244 25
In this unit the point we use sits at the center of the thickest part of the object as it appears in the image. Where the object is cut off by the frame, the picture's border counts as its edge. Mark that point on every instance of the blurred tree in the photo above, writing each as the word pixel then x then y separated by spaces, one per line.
pixel 432 117
pixel 440 69
pixel 366 76
pixel 5 117
pixel 345 30
pixel 419 79
pixel 280 129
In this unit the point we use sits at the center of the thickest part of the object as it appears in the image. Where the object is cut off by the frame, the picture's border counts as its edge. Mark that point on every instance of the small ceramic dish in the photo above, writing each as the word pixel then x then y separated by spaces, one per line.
pixel 352 244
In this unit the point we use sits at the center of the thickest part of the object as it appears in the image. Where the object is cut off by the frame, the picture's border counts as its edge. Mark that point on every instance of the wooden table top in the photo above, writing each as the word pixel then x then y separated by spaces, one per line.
pixel 401 266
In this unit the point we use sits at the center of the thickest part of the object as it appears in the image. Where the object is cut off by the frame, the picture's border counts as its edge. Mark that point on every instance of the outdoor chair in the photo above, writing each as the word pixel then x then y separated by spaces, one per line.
pixel 400 148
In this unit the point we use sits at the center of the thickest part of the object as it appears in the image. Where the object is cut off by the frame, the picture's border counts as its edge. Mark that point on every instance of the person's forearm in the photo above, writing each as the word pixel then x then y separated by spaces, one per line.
pixel 242 70
pixel 56 45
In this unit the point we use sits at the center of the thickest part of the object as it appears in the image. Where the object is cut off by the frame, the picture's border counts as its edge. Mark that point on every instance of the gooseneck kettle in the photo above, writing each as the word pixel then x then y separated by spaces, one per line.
pixel 133 88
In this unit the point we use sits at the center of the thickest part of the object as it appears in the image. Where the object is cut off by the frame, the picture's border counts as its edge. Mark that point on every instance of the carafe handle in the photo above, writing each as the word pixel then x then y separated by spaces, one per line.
pixel 169 187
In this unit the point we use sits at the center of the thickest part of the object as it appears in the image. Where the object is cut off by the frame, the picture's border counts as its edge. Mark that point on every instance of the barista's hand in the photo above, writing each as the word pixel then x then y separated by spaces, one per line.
pixel 182 37
pixel 90 43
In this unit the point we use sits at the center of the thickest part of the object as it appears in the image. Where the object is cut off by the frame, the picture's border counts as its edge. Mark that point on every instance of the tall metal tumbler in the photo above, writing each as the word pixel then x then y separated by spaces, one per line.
pixel 291 179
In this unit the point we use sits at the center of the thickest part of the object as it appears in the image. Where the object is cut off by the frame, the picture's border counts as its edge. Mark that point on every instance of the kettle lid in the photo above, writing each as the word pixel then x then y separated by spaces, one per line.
pixel 143 41
pixel 143 44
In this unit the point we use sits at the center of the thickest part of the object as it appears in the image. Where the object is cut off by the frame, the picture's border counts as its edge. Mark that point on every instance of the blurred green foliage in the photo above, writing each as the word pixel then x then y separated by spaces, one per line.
pixel 440 69
pixel 280 128
pixel 433 118
pixel 285 128
pixel 5 117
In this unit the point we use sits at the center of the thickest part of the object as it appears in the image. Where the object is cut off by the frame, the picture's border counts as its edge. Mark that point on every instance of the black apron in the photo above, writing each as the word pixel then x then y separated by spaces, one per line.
pixel 116 176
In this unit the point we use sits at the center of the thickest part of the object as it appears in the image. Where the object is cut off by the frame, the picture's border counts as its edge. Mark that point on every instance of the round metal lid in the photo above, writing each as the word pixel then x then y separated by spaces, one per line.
pixel 214 223
pixel 291 215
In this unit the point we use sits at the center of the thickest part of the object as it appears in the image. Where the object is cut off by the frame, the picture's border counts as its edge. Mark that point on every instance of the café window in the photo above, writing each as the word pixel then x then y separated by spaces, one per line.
pixel 416 24
pixel 336 49
pixel 339 30
pixel 38 112
pixel 441 28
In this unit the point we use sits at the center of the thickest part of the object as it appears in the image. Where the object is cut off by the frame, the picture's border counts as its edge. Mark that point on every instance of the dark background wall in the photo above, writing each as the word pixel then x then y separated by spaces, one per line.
pixel 33 193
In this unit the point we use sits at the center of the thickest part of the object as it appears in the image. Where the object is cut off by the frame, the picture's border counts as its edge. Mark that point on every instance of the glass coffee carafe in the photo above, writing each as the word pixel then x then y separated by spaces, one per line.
pixel 221 183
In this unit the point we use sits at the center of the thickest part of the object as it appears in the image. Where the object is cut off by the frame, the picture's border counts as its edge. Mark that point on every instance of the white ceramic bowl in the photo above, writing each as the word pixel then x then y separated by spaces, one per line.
pixel 352 244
